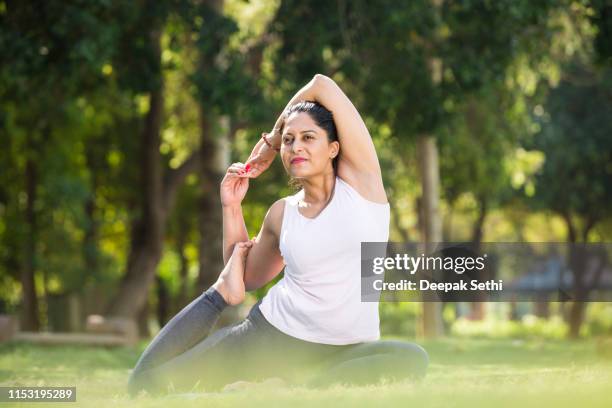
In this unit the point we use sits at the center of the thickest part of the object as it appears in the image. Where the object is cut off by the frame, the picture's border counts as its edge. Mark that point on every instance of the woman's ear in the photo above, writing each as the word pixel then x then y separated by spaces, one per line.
pixel 334 149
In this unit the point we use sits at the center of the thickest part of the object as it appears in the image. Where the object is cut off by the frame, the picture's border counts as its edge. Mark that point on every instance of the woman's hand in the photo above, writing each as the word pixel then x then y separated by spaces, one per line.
pixel 262 156
pixel 234 185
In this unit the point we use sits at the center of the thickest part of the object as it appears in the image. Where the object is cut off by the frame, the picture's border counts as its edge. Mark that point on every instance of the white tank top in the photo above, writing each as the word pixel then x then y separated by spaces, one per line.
pixel 319 297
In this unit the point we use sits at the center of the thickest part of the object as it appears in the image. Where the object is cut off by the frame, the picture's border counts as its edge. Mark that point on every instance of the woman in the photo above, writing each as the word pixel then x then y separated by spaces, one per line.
pixel 314 316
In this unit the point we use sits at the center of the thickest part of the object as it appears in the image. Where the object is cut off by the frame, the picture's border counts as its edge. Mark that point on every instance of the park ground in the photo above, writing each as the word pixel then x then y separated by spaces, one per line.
pixel 462 373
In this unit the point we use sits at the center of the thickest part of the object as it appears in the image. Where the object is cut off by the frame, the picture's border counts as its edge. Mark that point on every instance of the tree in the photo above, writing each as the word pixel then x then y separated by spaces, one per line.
pixel 159 184
pixel 474 147
pixel 576 179
pixel 50 54
pixel 220 84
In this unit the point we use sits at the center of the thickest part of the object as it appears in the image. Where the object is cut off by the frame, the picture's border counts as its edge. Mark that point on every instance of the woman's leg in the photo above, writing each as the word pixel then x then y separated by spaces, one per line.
pixel 250 350
pixel 181 333
pixel 368 363
pixel 230 354
pixel 192 324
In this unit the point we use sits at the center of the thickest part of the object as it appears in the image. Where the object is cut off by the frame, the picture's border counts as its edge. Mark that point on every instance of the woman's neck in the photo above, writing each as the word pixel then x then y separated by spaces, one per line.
pixel 319 189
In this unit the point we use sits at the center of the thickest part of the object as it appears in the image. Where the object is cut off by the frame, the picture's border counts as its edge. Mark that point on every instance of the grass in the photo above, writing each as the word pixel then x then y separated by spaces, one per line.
pixel 463 373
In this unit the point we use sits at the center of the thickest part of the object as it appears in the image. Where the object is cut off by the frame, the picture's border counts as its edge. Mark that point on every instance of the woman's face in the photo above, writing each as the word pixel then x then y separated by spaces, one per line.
pixel 305 149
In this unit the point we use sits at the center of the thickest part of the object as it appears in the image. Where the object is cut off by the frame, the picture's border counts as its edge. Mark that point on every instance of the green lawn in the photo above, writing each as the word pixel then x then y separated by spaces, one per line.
pixel 463 373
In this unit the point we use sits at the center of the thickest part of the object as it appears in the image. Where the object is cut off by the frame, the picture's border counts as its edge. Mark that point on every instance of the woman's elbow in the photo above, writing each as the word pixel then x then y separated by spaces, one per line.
pixel 249 285
pixel 256 279
pixel 251 282
pixel 321 80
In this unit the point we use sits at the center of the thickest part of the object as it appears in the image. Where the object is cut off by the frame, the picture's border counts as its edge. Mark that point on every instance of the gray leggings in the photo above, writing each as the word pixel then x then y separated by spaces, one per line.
pixel 184 355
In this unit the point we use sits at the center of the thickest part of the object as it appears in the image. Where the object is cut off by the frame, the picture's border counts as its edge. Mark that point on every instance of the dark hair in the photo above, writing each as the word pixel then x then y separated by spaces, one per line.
pixel 321 116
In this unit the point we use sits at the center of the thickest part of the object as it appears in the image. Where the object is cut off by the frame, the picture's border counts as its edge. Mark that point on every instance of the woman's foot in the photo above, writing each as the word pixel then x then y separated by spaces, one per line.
pixel 230 284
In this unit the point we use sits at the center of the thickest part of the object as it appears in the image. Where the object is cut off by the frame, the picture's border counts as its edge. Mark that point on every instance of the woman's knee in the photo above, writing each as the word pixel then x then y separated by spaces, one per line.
pixel 410 356
pixel 417 354
pixel 372 362
pixel 419 358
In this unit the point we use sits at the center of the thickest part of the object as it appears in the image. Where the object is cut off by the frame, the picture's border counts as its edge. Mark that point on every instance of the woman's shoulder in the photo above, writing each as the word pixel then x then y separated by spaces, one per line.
pixel 274 216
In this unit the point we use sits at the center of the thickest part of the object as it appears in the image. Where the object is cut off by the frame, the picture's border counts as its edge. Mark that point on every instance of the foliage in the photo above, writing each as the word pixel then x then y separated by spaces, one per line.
pixel 398 318
pixel 529 327
pixel 576 178
pixel 485 78
pixel 598 322
pixel 60 114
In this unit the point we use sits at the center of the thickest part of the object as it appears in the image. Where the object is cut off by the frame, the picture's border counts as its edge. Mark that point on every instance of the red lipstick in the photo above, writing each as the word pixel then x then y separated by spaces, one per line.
pixel 297 160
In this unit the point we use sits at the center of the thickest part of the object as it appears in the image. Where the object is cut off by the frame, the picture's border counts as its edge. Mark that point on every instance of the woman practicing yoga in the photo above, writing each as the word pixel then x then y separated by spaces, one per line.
pixel 312 326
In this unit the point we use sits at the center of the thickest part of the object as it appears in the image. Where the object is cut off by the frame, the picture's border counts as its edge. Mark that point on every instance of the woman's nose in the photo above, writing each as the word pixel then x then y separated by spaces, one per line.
pixel 297 146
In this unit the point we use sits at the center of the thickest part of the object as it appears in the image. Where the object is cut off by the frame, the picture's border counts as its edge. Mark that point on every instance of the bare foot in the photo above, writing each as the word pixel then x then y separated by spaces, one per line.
pixel 230 284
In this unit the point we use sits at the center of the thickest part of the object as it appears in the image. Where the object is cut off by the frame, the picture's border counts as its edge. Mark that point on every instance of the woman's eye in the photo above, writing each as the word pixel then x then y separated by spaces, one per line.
pixel 286 140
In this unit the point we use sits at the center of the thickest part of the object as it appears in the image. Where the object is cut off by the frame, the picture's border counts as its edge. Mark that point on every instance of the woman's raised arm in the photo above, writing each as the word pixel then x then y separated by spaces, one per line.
pixel 358 163
pixel 355 140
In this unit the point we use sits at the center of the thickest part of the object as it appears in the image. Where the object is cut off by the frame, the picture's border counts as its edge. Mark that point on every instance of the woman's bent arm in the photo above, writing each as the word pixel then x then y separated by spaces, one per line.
pixel 234 229
pixel 232 191
pixel 265 261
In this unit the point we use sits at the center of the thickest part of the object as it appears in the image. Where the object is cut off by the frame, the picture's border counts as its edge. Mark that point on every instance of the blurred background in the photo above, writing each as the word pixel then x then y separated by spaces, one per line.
pixel 492 121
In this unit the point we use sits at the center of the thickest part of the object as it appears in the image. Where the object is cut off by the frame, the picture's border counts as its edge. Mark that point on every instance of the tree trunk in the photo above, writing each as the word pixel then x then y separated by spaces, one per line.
pixel 579 261
pixel 213 161
pixel 577 264
pixel 29 313
pixel 159 190
pixel 477 309
pixel 575 319
pixel 163 302
pixel 396 219
pixel 431 224
pixel 148 231
pixel 142 321
pixel 477 230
